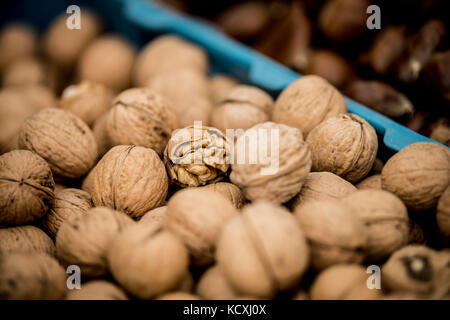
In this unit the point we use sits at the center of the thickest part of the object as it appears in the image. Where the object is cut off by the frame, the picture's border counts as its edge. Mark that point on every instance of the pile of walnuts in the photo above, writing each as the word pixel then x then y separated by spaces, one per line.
pixel 158 181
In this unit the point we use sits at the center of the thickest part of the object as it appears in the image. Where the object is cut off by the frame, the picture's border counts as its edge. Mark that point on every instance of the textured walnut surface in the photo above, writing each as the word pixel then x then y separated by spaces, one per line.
pixel 26 239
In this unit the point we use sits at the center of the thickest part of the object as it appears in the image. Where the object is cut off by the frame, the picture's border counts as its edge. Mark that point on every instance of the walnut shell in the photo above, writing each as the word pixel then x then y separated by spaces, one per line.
pixel 197 155
pixel 88 100
pixel 154 217
pixel 26 187
pixel 97 290
pixel 147 261
pixel 262 251
pixel 31 276
pixel 335 233
pixel 27 239
pixel 242 108
pixel 101 135
pixel 229 191
pixel 213 285
pixel 372 182
pixel 141 117
pixel 322 185
pixel 17 41
pixel 418 174
pixel 345 145
pixel 84 240
pixel 108 60
pixel 343 282
pixel 62 139
pixel 276 179
pixel 386 220
pixel 307 102
pixel 197 216
pixel 443 214
pixel 69 202
pixel 130 179
pixel 220 85
pixel 166 54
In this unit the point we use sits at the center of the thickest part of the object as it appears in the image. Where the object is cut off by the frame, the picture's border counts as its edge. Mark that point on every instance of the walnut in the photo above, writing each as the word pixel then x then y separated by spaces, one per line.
pixel 418 174
pixel 251 246
pixel 31 276
pixel 213 285
pixel 101 135
pixel 154 217
pixel 39 96
pixel 26 187
pixel 279 170
pixel 220 85
pixel 345 145
pixel 335 233
pixel 229 191
pixel 97 290
pixel 322 185
pixel 130 179
pixel 372 182
pixel 386 220
pixel 141 117
pixel 307 102
pixel 17 41
pixel 62 139
pixel 84 240
pixel 88 100
pixel 443 213
pixel 197 155
pixel 27 239
pixel 69 202
pixel 168 54
pixel 108 60
pixel 197 216
pixel 26 71
pixel 147 261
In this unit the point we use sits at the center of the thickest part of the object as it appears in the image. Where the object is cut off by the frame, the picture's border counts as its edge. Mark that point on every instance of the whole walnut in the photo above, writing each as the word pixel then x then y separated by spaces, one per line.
pixel 242 108
pixel 154 217
pixel 31 276
pixel 322 185
pixel 17 41
pixel 130 179
pixel 88 100
pixel 278 171
pixel 197 155
pixel 343 282
pixel 220 85
pixel 27 239
pixel 97 290
pixel 101 135
pixel 108 60
pixel 443 214
pixel 69 202
pixel 386 220
pixel 335 233
pixel 307 102
pixel 229 191
pixel 213 285
pixel 85 240
pixel 26 187
pixel 418 174
pixel 166 54
pixel 345 145
pixel 372 182
pixel 63 45
pixel 62 139
pixel 262 251
pixel 197 217
pixel 147 261
pixel 141 117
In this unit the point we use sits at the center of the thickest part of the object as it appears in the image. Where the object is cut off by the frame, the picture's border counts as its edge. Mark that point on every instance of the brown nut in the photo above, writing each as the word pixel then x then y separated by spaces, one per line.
pixel 441 134
pixel 85 240
pixel 345 145
pixel 386 220
pixel 154 217
pixel 168 54
pixel 69 202
pixel 88 100
pixel 36 276
pixel 97 290
pixel 141 117
pixel 26 239
pixel 220 85
pixel 307 102
pixel 147 261
pixel 62 139
pixel 229 191
pixel 418 174
pixel 242 108
pixel 101 135
pixel 435 74
pixel 213 285
pixel 130 179
pixel 343 282
pixel 26 187
pixel 39 96
pixel 334 232
pixel 17 41
pixel 372 182
pixel 279 171
pixel 108 60
pixel 262 251
pixel 197 217
pixel 322 185
pixel 26 71
pixel 443 213
pixel 197 155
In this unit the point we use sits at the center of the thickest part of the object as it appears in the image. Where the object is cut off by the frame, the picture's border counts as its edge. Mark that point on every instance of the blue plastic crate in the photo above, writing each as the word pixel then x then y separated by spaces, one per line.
pixel 138 18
